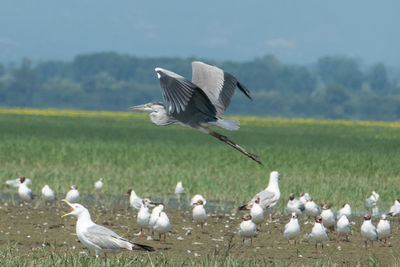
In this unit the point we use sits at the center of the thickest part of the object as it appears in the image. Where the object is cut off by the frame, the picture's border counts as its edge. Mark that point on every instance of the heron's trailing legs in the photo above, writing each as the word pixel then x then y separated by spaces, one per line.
pixel 234 145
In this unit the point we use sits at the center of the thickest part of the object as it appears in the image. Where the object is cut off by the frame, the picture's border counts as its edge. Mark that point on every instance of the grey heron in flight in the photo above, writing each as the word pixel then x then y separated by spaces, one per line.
pixel 197 104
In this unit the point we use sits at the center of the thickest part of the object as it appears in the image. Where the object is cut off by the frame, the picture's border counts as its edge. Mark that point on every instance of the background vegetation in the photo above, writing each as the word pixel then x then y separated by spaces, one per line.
pixel 333 87
pixel 334 161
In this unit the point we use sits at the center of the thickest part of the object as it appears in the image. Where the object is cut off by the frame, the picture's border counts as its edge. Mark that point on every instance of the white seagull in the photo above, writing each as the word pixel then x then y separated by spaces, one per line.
pixel 98 238
pixel 48 193
pixel 343 227
pixel 370 203
pixel 312 209
pixel 292 229
pixel 197 198
pixel 143 216
pixel 257 212
pixel 345 210
pixel 98 184
pixel 199 214
pixel 383 229
pixel 16 182
pixel 247 228
pixel 179 189
pixel 294 205
pixel 73 194
pixel 134 201
pixel 304 197
pixel 328 218
pixel 155 213
pixel 268 197
pixel 368 231
pixel 319 233
pixel 24 192
pixel 162 225
pixel 395 209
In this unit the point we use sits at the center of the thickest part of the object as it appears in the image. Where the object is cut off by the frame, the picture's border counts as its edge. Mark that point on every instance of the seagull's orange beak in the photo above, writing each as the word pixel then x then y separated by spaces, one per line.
pixel 69 204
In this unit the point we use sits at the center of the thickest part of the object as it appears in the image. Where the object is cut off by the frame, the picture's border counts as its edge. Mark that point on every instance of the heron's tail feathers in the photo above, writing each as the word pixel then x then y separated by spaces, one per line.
pixel 141 247
pixel 230 125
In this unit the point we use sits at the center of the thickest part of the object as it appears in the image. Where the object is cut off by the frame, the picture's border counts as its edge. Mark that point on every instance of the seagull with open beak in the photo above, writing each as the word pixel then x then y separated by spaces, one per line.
pixel 99 238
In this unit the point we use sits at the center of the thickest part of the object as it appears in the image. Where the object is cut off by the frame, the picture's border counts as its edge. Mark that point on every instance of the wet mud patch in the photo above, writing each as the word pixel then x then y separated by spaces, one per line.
pixel 34 229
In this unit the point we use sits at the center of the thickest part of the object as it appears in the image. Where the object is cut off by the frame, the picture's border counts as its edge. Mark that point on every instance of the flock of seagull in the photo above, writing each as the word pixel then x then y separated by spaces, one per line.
pixel 103 240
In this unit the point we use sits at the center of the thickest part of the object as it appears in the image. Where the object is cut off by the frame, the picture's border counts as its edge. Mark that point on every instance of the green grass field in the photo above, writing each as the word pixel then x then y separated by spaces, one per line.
pixel 334 161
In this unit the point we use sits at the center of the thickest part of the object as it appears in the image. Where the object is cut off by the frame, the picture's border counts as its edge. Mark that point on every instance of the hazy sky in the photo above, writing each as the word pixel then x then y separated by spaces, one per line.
pixel 294 31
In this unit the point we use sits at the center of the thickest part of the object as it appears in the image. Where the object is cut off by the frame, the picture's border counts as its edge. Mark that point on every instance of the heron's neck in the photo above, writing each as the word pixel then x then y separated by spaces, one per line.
pixel 161 117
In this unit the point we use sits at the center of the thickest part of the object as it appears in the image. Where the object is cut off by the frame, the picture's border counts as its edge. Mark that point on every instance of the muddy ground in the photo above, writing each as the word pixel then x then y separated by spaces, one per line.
pixel 32 228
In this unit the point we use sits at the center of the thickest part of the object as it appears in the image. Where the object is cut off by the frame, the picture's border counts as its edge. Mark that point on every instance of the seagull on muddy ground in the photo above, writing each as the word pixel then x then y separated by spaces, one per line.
pixel 199 214
pixel 319 233
pixel 292 229
pixel 345 210
pixel 143 216
pixel 48 194
pixel 247 228
pixel 99 238
pixel 24 192
pixel 73 195
pixel 162 225
pixel 269 197
pixel 383 229
pixel 395 209
pixel 368 231
pixel 294 205
pixel 328 218
pixel 343 227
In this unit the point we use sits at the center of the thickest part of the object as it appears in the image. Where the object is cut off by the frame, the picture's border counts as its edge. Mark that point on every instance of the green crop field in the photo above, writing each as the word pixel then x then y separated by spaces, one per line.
pixel 334 161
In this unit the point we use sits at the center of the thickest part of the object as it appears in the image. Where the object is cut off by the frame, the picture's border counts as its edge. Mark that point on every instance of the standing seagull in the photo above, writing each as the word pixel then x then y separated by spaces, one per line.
pixel 257 213
pixel 48 193
pixel 318 232
pixel 395 209
pixel 383 229
pixel 143 216
pixel 99 184
pixel 179 191
pixel 199 214
pixel 73 194
pixel 247 228
pixel 292 229
pixel 134 200
pixel 197 104
pixel 294 205
pixel 99 238
pixel 328 218
pixel 370 203
pixel 343 227
pixel 24 192
pixel 268 197
pixel 368 231
pixel 345 210
pixel 312 209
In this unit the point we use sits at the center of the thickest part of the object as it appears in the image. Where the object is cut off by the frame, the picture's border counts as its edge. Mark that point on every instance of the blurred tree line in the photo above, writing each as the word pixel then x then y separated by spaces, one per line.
pixel 333 87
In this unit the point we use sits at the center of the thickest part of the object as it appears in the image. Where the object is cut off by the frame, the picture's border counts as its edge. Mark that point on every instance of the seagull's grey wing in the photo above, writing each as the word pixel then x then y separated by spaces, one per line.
pixel 180 94
pixel 217 84
pixel 105 239
pixel 266 198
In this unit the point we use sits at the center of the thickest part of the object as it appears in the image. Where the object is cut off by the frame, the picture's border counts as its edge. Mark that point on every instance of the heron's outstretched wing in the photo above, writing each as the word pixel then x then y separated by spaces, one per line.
pixel 217 84
pixel 178 93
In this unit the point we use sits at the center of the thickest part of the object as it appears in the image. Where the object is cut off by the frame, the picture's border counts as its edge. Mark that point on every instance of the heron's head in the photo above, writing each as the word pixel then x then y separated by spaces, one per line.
pixel 150 107
pixel 77 209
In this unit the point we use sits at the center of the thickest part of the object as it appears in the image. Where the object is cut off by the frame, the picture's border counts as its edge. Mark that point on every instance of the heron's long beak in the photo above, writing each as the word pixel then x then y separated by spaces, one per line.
pixel 69 204
pixel 140 107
